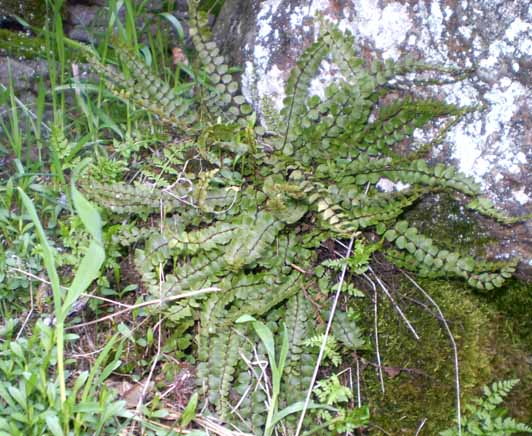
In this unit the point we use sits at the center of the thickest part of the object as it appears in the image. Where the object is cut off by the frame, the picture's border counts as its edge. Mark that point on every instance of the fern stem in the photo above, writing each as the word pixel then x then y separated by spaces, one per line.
pixel 324 340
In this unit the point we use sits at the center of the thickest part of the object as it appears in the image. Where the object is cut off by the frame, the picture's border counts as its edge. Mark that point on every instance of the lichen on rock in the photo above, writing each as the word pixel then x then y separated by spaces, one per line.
pixel 492 39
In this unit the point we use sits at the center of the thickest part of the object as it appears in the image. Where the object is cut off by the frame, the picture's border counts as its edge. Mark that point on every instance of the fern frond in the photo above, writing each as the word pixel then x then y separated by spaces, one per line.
pixel 224 99
pixel 347 331
pixel 150 92
pixel 484 418
pixel 300 360
pixel 192 242
pixel 296 91
pixel 420 253
pixel 143 88
pixel 484 206
pixel 145 199
pixel 260 298
pixel 256 236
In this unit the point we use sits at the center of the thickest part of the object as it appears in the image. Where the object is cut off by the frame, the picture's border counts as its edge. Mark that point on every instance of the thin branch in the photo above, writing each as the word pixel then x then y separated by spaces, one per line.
pixel 42 280
pixel 395 305
pixel 146 386
pixel 376 327
pixel 421 425
pixel 324 340
pixel 26 319
pixel 25 109
pixel 376 330
pixel 359 398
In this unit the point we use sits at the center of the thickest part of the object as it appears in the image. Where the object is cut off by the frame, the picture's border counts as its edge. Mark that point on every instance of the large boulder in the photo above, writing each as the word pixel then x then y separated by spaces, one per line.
pixel 494 38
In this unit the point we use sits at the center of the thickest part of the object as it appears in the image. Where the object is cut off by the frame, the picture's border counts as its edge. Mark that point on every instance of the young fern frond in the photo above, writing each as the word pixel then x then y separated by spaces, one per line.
pixel 485 418
pixel 144 88
pixel 223 96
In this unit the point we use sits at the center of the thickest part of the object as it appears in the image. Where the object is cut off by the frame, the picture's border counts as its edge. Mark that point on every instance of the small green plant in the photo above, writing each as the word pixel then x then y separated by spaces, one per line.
pixel 358 262
pixel 332 392
pixel 331 347
pixel 63 299
pixel 31 400
pixel 484 416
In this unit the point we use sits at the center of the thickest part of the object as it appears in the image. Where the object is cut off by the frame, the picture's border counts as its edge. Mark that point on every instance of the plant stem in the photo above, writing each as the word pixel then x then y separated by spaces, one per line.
pixel 59 333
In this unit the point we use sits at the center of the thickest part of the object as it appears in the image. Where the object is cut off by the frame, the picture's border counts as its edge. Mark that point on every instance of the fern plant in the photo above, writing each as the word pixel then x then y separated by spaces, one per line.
pixel 486 418
pixel 244 211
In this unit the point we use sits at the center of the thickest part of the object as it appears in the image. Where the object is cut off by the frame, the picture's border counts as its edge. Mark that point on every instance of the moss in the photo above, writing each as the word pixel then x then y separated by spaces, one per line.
pixel 511 342
pixel 446 221
pixel 33 11
pixel 513 302
pixel 425 387
pixel 17 44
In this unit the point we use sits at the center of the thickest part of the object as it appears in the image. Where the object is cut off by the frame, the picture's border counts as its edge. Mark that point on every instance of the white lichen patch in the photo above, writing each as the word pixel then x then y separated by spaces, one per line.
pixel 516 29
pixel 485 142
pixel 466 31
pixel 257 84
pixel 328 73
pixel 430 25
pixel 386 185
pixel 520 196
pixel 300 14
pixel 517 42
pixel 385 29
pixel 262 78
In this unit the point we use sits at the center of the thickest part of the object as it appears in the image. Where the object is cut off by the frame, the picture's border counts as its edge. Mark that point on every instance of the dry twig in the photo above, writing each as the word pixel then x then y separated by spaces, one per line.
pixel 324 340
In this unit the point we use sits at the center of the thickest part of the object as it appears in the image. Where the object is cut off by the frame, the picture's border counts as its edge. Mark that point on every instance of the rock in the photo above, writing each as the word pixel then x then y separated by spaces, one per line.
pixel 86 19
pixel 24 73
pixel 494 38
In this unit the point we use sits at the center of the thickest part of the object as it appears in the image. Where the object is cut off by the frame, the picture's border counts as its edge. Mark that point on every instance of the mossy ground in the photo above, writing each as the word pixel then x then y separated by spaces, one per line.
pixel 493 332
pixel 32 11
pixel 488 350
pixel 19 45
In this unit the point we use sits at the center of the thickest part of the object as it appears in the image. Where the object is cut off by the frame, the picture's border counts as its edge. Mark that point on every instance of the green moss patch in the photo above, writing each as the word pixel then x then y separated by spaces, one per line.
pixel 445 220
pixel 17 44
pixel 32 11
pixel 419 375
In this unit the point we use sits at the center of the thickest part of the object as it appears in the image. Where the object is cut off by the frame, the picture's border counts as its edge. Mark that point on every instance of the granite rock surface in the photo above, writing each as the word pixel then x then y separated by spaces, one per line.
pixel 493 38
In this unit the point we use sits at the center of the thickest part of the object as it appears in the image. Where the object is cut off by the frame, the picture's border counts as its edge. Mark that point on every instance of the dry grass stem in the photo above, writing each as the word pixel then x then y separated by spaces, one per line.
pixel 421 425
pixel 324 340
pixel 455 350
pixel 394 303
pixel 158 301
